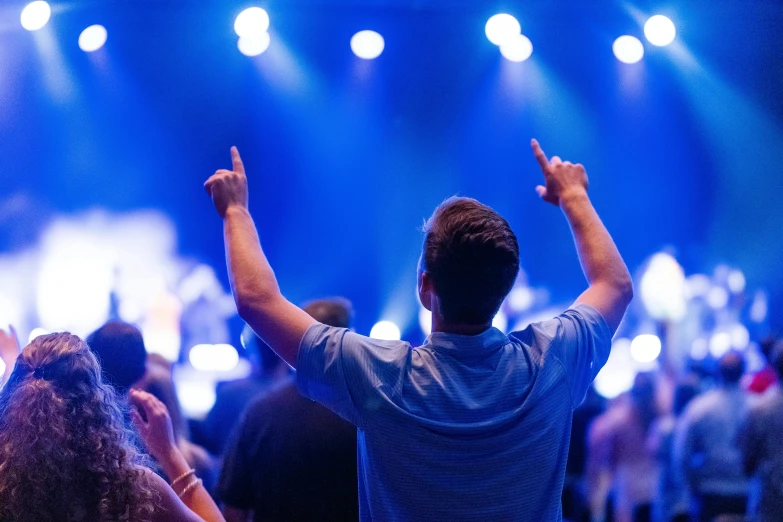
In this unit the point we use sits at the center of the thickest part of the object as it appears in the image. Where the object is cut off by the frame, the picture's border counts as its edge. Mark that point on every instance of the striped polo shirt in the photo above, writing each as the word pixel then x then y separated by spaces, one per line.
pixel 472 428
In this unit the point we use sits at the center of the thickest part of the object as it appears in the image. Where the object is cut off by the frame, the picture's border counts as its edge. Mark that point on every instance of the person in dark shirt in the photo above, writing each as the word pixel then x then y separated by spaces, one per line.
pixel 232 397
pixel 291 459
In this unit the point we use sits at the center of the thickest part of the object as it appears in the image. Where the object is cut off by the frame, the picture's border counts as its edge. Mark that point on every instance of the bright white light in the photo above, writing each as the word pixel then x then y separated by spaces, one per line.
pixel 758 310
pixel 195 397
pixel 697 285
pixel 386 330
pixel 367 44
pixel 736 281
pixel 253 45
pixel 740 337
pixel 500 321
pixel 645 348
pixel 213 357
pixel 425 320
pixel 2 367
pixel 700 348
pixel 520 298
pixel 35 15
pixel 37 332
pixel 659 30
pixel 616 377
pixel 92 38
pixel 251 22
pixel 75 281
pixel 502 27
pixel 662 288
pixel 628 49
pixel 517 49
pixel 720 343
pixel 717 297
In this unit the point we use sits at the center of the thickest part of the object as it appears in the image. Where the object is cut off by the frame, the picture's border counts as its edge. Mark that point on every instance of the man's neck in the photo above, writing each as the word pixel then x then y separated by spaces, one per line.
pixel 461 329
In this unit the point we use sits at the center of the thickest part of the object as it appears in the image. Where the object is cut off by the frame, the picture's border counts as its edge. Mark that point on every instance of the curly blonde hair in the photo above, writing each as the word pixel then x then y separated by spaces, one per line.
pixel 66 452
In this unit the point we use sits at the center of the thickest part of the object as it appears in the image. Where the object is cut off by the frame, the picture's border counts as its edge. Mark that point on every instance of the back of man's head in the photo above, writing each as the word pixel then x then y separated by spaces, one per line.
pixel 472 256
pixel 119 348
pixel 731 367
pixel 336 311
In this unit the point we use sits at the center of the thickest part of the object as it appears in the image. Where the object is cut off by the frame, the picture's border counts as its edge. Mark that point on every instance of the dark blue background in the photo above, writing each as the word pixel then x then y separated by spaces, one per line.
pixel 346 158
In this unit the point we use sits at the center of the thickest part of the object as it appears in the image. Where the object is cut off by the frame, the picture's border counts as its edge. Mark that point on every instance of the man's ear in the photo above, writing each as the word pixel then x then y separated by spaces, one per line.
pixel 426 290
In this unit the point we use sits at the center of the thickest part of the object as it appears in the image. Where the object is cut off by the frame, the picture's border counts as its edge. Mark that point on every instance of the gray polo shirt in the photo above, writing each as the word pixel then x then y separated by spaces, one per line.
pixel 464 427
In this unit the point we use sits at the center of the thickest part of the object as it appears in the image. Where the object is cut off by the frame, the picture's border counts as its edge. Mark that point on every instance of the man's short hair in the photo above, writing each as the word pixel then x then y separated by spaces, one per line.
pixel 119 348
pixel 336 311
pixel 472 256
pixel 731 367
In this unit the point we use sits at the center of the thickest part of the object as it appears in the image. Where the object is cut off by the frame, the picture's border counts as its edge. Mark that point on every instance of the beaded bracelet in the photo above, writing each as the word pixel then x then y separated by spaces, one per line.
pixel 182 477
pixel 195 483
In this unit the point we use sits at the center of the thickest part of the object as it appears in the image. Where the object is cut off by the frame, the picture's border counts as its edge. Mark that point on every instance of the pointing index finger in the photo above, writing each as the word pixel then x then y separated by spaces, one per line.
pixel 543 162
pixel 237 161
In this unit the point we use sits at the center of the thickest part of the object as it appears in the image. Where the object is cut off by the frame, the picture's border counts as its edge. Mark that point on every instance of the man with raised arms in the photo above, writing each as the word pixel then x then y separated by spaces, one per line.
pixel 474 424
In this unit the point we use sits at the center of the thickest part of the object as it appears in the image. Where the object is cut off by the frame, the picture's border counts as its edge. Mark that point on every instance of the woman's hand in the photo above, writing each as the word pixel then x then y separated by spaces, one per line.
pixel 9 351
pixel 153 423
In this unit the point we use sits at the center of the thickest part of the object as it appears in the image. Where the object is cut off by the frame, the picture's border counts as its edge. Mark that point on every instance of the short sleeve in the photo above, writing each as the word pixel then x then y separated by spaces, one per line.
pixel 582 341
pixel 350 374
pixel 235 486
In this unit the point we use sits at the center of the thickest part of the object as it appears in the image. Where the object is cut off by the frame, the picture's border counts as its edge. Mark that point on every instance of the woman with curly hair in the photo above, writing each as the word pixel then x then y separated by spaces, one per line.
pixel 66 454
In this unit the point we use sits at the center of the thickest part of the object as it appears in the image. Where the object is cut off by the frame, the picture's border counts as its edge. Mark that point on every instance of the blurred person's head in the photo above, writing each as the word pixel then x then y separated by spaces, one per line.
pixel 65 451
pixel 685 391
pixel 469 262
pixel 767 345
pixel 731 368
pixel 643 397
pixel 120 350
pixel 776 359
pixel 336 311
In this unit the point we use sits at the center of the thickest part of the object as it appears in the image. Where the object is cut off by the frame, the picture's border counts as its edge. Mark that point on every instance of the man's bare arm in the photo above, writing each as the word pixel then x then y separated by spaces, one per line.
pixel 611 288
pixel 259 301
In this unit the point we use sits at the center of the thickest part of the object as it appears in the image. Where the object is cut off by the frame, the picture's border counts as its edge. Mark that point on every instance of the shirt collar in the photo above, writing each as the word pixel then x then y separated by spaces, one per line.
pixel 488 340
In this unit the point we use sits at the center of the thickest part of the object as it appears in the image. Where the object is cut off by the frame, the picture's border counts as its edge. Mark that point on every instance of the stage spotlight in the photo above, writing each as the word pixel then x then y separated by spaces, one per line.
pixel 35 15
pixel 645 348
pixel 251 22
pixel 720 343
pixel 662 288
pixel 517 49
pixel 253 45
pixel 736 281
pixel 659 30
pixel 386 331
pixel 367 44
pixel 502 28
pixel 213 357
pixel 628 49
pixel 92 38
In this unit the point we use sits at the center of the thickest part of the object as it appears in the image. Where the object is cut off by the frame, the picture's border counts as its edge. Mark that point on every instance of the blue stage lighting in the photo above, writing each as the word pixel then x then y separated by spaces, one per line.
pixel 251 22
pixel 628 49
pixel 35 15
pixel 659 30
pixel 502 27
pixel 92 38
pixel 367 44
pixel 253 45
pixel 517 49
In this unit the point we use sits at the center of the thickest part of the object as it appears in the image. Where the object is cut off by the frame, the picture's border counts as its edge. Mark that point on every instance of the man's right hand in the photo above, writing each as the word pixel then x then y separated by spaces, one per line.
pixel 563 179
pixel 228 188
